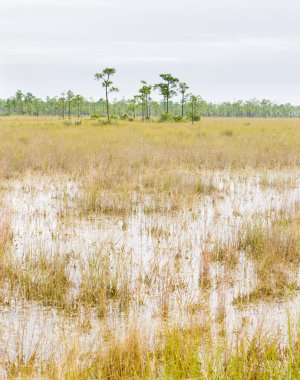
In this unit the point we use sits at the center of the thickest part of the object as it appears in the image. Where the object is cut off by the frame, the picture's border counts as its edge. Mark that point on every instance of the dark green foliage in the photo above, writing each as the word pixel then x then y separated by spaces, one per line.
pixel 142 105
pixel 166 117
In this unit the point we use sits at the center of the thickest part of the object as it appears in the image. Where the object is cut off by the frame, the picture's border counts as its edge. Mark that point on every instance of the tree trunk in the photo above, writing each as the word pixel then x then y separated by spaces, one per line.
pixel 107 105
pixel 192 113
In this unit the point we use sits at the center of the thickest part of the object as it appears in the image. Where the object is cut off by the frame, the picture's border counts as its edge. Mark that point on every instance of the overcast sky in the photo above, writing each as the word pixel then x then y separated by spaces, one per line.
pixel 224 49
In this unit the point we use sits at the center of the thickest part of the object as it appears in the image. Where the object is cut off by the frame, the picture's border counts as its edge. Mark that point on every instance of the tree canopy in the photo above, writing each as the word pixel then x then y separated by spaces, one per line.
pixel 174 100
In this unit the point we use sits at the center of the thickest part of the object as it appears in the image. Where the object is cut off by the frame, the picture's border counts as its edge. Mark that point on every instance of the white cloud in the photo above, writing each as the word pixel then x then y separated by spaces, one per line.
pixel 224 48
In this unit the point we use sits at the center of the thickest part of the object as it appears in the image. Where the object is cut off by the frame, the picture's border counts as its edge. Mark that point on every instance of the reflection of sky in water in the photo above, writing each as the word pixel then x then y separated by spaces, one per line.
pixel 36 205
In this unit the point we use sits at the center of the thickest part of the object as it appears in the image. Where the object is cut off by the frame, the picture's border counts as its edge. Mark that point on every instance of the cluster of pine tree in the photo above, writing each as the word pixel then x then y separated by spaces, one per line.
pixel 142 105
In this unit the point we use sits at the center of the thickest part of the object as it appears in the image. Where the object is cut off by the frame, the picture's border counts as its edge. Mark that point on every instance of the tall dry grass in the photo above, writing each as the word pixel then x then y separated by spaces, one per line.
pixel 159 168
pixel 275 250
pixel 178 353
pixel 120 152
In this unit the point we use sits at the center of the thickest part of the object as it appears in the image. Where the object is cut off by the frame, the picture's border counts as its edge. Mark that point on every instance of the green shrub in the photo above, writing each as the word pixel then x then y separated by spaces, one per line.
pixel 124 117
pixel 196 117
pixel 177 118
pixel 166 117
pixel 95 116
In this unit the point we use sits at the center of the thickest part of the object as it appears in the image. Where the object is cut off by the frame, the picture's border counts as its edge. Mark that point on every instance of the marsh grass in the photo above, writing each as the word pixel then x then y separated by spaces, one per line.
pixel 278 182
pixel 148 169
pixel 123 359
pixel 204 279
pixel 38 277
pixel 177 353
pixel 227 133
pixel 46 278
pixel 162 166
pixel 121 194
pixel 275 251
pixel 105 277
pixel 5 253
pixel 226 253
pixel 5 236
pixel 22 367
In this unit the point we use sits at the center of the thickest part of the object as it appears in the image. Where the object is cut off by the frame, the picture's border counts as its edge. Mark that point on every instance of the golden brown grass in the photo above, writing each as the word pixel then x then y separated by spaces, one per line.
pixel 105 277
pixel 161 167
pixel 276 253
pixel 120 151
pixel 155 168
pixel 178 353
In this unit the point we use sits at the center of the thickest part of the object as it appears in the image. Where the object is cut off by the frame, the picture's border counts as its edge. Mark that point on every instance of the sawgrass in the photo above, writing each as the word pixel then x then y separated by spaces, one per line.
pixel 157 168
pixel 119 152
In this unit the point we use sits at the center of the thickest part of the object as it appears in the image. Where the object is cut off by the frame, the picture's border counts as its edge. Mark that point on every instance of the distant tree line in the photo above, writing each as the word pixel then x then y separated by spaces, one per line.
pixel 142 105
